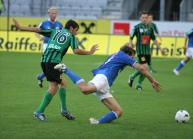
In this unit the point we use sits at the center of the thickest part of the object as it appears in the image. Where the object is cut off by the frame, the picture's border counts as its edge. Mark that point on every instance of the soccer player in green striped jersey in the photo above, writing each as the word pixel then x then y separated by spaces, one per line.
pixel 144 32
pixel 59 42
pixel 156 32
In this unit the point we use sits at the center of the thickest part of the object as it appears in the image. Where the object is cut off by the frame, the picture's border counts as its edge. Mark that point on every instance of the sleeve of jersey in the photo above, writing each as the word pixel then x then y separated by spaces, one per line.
pixel 132 33
pixel 74 42
pixel 189 33
pixel 129 61
pixel 152 34
pixel 156 30
pixel 46 33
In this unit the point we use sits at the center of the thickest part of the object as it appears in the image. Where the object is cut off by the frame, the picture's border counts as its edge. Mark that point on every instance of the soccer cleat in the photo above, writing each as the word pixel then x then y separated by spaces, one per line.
pixel 176 72
pixel 130 81
pixel 152 71
pixel 67 114
pixel 138 87
pixel 93 121
pixel 40 116
pixel 60 67
pixel 39 82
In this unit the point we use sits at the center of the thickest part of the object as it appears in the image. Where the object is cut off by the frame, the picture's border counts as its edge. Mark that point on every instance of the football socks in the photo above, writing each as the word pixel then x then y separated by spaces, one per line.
pixel 74 77
pixel 181 65
pixel 107 118
pixel 41 76
pixel 62 95
pixel 45 102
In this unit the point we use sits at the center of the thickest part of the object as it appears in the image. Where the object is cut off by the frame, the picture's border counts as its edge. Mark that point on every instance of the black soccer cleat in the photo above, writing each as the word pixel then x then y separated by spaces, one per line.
pixel 67 114
pixel 130 81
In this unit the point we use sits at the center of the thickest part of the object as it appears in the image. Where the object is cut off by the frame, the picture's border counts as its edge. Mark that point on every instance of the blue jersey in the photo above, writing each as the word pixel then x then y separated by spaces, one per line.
pixel 189 34
pixel 47 24
pixel 113 65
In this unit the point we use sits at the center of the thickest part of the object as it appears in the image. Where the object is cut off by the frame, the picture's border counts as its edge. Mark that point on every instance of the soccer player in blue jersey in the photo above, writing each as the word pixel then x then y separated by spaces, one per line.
pixel 51 23
pixel 104 77
pixel 189 53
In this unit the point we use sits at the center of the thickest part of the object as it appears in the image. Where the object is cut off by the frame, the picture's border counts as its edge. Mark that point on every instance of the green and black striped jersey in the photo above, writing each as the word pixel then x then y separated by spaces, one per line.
pixel 143 34
pixel 153 25
pixel 59 42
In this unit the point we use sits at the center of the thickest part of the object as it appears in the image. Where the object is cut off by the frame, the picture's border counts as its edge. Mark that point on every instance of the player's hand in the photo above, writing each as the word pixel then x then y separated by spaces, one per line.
pixel 41 38
pixel 184 47
pixel 94 48
pixel 16 23
pixel 156 86
pixel 163 52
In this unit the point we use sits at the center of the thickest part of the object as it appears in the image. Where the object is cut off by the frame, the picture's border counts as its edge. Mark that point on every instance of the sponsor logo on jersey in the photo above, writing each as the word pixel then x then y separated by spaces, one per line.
pixel 57 27
pixel 54 46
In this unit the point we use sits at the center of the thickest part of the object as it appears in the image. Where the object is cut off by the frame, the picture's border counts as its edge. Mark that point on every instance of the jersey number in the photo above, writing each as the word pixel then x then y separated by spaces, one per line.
pixel 60 38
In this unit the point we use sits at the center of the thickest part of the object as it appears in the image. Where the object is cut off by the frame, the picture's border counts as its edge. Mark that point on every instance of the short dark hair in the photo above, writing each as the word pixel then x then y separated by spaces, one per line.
pixel 72 23
pixel 128 49
pixel 144 12
pixel 151 15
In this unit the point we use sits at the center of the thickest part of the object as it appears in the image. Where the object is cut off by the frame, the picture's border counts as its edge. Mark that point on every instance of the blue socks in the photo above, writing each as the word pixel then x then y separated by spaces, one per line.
pixel 74 77
pixel 41 76
pixel 107 118
pixel 181 65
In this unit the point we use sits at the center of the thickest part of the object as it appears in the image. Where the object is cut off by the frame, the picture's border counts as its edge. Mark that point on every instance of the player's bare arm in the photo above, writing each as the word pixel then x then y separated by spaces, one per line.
pixel 83 52
pixel 185 43
pixel 41 38
pixel 157 44
pixel 154 83
pixel 32 29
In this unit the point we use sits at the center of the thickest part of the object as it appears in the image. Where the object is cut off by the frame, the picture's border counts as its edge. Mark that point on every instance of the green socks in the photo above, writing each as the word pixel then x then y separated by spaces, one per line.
pixel 62 95
pixel 141 79
pixel 150 66
pixel 135 74
pixel 45 102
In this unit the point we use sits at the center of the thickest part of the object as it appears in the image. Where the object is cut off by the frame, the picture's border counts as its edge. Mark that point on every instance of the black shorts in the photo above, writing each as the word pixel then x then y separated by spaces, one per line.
pixel 51 74
pixel 144 59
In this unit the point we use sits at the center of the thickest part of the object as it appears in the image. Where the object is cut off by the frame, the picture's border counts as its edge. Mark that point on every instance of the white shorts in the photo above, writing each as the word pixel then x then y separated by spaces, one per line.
pixel 44 46
pixel 101 83
pixel 189 53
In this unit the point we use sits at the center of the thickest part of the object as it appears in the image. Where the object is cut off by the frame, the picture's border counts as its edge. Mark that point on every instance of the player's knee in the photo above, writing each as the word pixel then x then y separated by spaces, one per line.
pixel 84 90
pixel 119 112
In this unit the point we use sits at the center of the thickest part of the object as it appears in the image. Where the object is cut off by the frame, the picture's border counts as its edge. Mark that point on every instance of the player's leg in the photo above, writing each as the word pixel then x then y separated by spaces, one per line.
pixel 40 79
pixel 150 66
pixel 62 95
pixel 116 110
pixel 76 79
pixel 189 55
pixel 53 76
pixel 40 76
pixel 46 100
pixel 108 100
pixel 135 74
pixel 145 62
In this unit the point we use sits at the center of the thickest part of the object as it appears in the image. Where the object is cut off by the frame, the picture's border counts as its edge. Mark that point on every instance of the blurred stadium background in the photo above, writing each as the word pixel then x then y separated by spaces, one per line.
pixel 101 21
pixel 163 10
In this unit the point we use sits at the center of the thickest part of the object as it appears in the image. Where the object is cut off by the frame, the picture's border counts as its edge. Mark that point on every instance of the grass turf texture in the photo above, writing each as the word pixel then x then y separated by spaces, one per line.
pixel 146 114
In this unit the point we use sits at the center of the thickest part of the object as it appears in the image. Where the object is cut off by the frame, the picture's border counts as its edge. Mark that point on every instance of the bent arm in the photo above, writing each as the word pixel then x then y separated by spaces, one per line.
pixel 81 52
pixel 144 72
pixel 31 29
pixel 41 38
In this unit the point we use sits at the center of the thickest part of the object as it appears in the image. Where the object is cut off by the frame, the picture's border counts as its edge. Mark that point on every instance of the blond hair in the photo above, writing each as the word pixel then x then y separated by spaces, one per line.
pixel 52 8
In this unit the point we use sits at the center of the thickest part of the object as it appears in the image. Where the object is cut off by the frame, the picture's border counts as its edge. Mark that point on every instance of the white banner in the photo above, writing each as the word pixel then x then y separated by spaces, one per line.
pixel 177 29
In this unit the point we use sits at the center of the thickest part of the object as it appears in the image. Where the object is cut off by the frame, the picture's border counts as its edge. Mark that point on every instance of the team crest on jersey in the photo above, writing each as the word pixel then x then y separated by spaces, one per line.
pixel 57 27
pixel 142 58
pixel 141 30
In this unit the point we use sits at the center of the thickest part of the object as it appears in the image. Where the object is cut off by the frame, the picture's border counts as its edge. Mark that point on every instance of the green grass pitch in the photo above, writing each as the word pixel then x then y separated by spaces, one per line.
pixel 146 114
